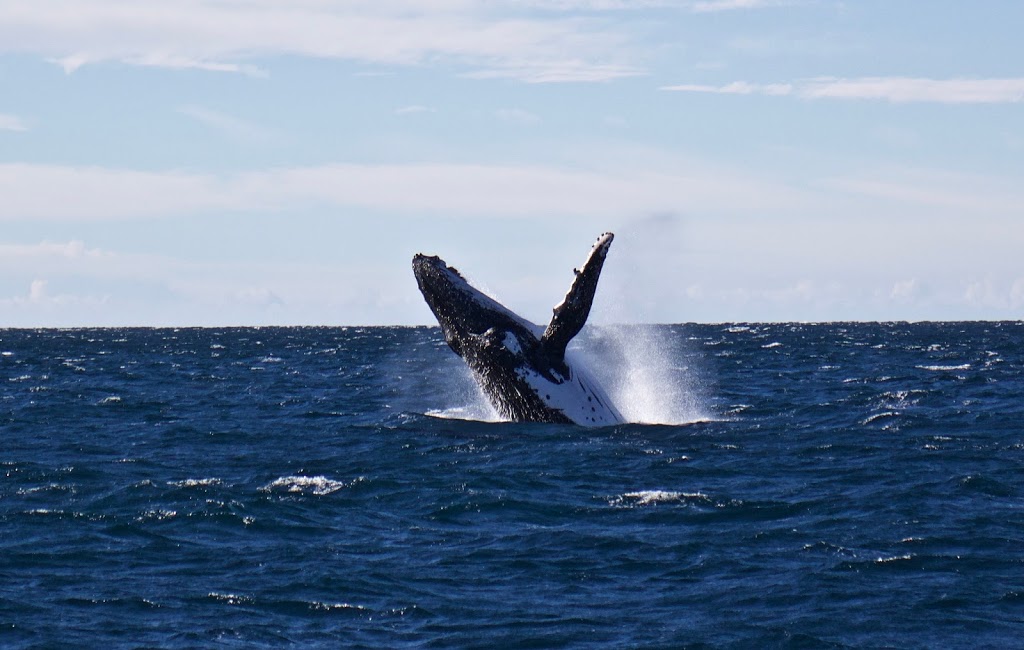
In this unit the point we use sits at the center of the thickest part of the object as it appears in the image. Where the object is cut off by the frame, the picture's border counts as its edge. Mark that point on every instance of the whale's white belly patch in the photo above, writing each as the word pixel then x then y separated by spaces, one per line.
pixel 578 398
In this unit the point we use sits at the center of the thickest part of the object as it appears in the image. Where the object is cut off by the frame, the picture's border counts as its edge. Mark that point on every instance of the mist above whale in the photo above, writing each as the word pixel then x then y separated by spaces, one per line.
pixel 521 367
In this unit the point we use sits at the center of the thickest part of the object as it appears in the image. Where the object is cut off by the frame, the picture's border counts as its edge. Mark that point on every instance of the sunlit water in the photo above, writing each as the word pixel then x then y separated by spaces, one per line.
pixel 808 486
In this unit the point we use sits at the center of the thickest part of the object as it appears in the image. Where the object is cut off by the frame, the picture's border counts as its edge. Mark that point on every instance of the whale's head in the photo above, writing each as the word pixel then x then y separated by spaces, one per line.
pixel 461 310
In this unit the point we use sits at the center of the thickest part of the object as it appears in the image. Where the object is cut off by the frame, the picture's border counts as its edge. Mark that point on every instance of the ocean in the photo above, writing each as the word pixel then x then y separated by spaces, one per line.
pixel 784 486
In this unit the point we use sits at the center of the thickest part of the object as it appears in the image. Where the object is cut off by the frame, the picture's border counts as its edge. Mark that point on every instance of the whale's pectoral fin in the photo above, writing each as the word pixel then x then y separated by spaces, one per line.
pixel 571 314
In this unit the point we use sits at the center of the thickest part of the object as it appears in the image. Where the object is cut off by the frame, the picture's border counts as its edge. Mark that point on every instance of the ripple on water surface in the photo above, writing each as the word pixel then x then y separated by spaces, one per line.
pixel 810 486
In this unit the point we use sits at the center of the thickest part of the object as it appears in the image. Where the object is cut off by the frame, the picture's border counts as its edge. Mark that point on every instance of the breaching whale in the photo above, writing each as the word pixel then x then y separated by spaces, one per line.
pixel 520 366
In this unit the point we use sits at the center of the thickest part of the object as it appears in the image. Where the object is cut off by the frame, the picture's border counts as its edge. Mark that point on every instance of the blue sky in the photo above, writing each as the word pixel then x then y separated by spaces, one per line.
pixel 248 162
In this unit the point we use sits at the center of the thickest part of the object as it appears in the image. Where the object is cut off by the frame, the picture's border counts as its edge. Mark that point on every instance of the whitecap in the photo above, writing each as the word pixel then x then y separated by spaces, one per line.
pixel 230 599
pixel 879 416
pixel 652 497
pixel 158 514
pixel 329 607
pixel 318 485
pixel 894 558
pixel 196 482
pixel 964 366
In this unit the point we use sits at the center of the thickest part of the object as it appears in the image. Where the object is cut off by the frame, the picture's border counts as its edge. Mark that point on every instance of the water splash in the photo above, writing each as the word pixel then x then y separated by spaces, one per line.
pixel 466 398
pixel 639 367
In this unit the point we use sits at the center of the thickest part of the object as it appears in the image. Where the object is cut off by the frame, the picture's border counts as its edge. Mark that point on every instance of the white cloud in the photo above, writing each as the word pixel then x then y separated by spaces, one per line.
pixel 488 39
pixel 231 126
pixel 948 192
pixel 906 89
pixel 707 6
pixel 74 284
pixel 1017 293
pixel 33 191
pixel 534 71
pixel 517 116
pixel 39 299
pixel 905 290
pixel 734 88
pixel 987 294
pixel 12 123
pixel 891 89
pixel 258 296
pixel 696 6
pixel 94 193
pixel 37 291
pixel 414 109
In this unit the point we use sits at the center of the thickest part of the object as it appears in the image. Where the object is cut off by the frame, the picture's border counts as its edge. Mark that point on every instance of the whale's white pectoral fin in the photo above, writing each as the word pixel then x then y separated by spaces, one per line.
pixel 571 314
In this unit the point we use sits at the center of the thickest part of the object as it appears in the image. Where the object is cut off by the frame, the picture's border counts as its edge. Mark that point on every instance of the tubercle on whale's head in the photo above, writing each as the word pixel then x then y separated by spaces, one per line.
pixel 438 282
pixel 460 309
pixel 464 312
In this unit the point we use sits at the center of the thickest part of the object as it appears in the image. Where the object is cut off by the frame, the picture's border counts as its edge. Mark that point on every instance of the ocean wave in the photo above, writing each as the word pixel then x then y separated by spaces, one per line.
pixel 318 485
pixel 196 482
pixel 654 497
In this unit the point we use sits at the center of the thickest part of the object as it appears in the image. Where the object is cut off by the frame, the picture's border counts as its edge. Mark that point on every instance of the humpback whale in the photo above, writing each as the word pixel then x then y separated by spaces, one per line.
pixel 521 367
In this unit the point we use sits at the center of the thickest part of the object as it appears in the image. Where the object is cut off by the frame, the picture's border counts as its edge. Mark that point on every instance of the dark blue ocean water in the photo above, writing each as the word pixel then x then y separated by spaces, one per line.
pixel 845 485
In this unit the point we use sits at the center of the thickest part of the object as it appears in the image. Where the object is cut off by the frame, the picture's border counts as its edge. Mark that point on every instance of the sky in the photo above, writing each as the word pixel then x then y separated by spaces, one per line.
pixel 258 162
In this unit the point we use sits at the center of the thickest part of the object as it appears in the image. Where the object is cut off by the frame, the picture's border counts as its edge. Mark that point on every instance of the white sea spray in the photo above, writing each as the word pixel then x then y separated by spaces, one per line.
pixel 639 367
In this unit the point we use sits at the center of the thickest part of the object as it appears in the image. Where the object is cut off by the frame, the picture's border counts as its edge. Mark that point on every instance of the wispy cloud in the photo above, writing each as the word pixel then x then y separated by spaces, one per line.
pixel 39 297
pixel 963 193
pixel 892 89
pixel 67 193
pixel 230 126
pixel 12 123
pixel 907 89
pixel 72 250
pixel 695 6
pixel 560 71
pixel 414 109
pixel 734 88
pixel 484 39
pixel 73 284
pixel 518 116
pixel 708 6
pixel 601 189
